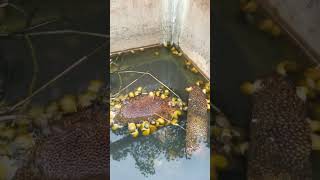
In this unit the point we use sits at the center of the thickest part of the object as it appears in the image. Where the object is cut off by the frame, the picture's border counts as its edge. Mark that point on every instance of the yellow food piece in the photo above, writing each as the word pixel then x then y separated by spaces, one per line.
pixel 161 121
pixel 315 125
pixel 132 127
pixel 145 125
pixel 250 7
pixel 117 106
pixel 175 52
pixel 165 44
pixel 36 111
pixel 95 86
pixel 131 94
pixel 24 141
pixel 188 89
pixel 315 111
pixel 68 104
pixel 7 133
pixel 216 131
pixel 52 108
pixel 204 91
pixel 166 92
pixel 151 94
pixel 112 114
pixel 139 89
pixel 247 88
pixel 312 73
pixel 187 62
pixel 138 125
pixel 174 122
pixel 167 122
pixel 276 31
pixel 266 25
pixel 219 161
pixel 194 70
pixel 135 133
pixel 115 127
pixel 157 93
pixel 136 93
pixel 198 83
pixel 176 114
pixel 86 99
pixel 163 96
pixel 315 142
pixel 153 128
pixel 146 132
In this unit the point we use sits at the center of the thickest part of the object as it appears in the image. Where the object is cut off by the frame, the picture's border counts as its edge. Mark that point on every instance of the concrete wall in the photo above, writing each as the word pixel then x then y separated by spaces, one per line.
pixel 302 19
pixel 136 23
pixel 194 32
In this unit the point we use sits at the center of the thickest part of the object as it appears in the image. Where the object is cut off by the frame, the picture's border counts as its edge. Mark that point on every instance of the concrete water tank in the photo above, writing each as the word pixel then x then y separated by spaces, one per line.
pixel 140 23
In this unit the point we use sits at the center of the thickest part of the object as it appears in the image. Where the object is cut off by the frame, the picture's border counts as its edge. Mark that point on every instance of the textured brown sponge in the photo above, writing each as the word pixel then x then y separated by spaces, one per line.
pixel 143 108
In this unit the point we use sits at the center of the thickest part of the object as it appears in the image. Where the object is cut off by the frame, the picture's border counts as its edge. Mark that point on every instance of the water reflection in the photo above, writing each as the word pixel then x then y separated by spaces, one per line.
pixel 166 146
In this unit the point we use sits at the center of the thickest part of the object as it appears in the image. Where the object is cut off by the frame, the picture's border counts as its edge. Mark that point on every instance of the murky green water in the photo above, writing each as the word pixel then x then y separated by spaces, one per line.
pixel 54 53
pixel 243 53
pixel 162 154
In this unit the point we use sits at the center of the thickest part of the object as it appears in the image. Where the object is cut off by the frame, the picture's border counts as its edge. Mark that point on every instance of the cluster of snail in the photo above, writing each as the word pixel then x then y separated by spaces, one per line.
pixel 19 135
pixel 205 89
pixel 250 9
pixel 190 66
pixel 147 127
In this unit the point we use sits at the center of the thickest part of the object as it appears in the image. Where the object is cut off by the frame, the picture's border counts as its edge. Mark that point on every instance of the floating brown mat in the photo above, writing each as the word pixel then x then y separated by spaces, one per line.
pixel 197 120
pixel 280 143
pixel 79 152
pixel 143 108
